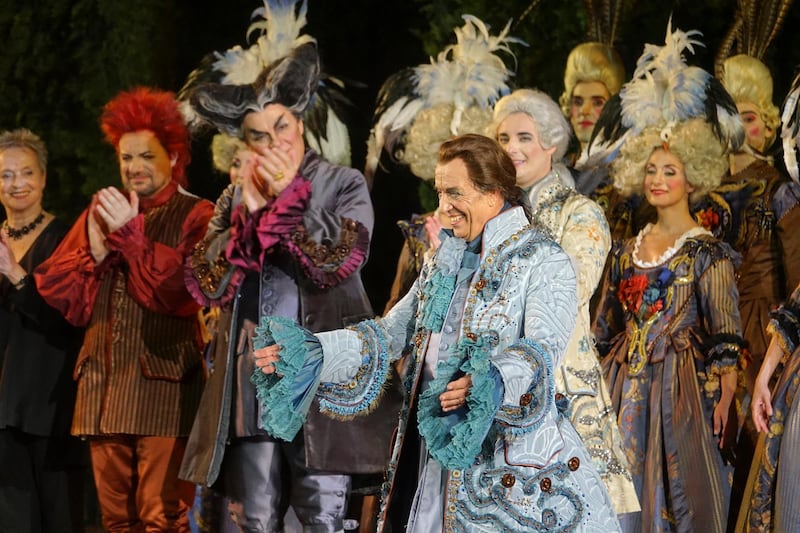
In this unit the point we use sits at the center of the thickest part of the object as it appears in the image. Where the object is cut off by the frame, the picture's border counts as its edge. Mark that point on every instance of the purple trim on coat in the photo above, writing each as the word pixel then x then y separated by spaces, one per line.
pixel 328 274
pixel 201 297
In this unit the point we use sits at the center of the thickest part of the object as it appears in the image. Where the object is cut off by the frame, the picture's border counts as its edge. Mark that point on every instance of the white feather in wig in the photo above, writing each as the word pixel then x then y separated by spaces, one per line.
pixel 281 66
pixel 664 91
pixel 279 26
pixel 469 73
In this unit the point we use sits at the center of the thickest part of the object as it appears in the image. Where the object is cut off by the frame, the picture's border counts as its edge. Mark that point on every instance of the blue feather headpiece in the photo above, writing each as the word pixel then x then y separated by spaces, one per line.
pixel 663 92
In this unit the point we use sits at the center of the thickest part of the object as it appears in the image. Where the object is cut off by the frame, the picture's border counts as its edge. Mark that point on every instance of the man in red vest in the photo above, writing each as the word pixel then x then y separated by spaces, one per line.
pixel 119 273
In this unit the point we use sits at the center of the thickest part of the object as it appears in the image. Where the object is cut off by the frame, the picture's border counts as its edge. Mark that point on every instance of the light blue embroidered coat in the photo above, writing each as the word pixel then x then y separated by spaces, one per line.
pixel 506 462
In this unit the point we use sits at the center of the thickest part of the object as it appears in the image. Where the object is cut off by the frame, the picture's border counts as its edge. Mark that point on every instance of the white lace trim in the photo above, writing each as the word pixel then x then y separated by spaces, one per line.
pixel 669 252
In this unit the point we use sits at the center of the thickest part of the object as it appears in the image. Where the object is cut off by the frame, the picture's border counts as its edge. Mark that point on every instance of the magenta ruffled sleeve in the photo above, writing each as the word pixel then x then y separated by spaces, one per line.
pixel 253 236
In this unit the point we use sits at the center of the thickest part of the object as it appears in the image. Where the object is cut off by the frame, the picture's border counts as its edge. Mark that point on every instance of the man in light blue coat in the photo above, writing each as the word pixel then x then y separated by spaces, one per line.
pixel 487 321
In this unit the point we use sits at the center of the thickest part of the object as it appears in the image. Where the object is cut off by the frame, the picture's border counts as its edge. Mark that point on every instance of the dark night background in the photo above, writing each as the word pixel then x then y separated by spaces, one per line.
pixel 63 59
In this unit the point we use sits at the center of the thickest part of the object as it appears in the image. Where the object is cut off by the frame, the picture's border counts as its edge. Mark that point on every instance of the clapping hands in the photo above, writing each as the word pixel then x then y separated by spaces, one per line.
pixel 109 211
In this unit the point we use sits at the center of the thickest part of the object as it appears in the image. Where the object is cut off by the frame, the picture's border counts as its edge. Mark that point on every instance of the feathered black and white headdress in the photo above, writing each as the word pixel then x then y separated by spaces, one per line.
pixel 281 66
pixel 466 75
pixel 790 134
pixel 663 92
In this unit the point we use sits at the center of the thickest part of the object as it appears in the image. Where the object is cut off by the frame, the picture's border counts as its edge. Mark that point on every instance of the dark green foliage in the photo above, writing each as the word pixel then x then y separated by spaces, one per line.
pixel 62 60
pixel 427 196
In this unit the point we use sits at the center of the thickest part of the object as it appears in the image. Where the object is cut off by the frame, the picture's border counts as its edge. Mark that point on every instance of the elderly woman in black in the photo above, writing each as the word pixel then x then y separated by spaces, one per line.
pixel 40 478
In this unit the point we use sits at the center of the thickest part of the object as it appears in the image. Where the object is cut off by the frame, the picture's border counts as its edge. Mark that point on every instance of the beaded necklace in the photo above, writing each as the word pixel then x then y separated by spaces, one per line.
pixel 17 234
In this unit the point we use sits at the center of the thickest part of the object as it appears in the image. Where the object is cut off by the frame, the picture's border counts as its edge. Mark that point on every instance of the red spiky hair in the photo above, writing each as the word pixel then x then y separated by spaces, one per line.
pixel 149 109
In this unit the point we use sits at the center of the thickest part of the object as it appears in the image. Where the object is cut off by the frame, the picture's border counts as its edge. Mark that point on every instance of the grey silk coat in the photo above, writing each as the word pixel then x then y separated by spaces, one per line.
pixel 311 276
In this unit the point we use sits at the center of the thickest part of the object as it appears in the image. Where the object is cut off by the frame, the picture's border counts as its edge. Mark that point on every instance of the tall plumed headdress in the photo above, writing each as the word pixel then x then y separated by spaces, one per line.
pixel 663 92
pixel 604 17
pixel 282 67
pixel 790 134
pixel 756 24
pixel 420 107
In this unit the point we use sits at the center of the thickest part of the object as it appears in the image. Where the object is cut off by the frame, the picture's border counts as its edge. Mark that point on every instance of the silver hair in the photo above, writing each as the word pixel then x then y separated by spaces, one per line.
pixel 551 126
pixel 25 138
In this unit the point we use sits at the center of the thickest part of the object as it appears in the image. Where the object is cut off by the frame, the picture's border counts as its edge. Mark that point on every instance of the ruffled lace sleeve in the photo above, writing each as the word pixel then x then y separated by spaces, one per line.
pixel 346 369
pixel 210 278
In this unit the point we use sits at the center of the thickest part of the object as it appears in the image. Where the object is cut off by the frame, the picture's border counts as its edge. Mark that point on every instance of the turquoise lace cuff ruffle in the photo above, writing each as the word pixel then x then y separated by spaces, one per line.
pixel 361 394
pixel 436 296
pixel 455 439
pixel 284 401
pixel 438 289
pixel 536 402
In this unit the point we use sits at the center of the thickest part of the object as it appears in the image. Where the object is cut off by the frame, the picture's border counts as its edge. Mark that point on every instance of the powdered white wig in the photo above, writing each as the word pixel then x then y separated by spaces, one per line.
pixel 431 127
pixel 693 141
pixel 748 80
pixel 551 126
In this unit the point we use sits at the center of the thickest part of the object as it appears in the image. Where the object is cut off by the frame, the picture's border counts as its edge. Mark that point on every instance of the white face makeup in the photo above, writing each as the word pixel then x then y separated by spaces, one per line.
pixel 518 136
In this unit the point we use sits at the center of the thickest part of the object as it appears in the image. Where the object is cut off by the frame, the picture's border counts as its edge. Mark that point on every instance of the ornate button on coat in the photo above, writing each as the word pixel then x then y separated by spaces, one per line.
pixel 495 464
pixel 579 226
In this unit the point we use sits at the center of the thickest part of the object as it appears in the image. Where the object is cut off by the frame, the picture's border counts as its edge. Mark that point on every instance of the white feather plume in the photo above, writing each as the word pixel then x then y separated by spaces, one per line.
pixel 240 66
pixel 372 159
pixel 467 73
pixel 664 88
pixel 397 116
pixel 686 95
pixel 335 144
pixel 279 24
pixel 641 103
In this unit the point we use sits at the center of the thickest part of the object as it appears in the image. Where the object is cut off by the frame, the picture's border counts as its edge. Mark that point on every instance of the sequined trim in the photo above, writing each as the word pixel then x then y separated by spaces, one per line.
pixel 328 266
pixel 361 394
pixel 487 501
pixel 217 280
